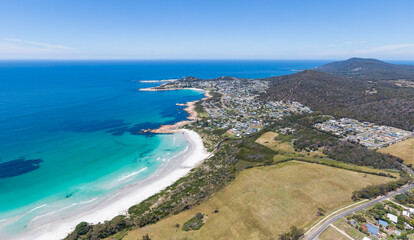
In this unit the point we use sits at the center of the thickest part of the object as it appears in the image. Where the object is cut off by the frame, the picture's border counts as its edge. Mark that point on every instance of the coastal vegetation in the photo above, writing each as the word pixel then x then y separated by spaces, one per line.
pixel 213 174
pixel 237 156
pixel 258 160
pixel 264 202
pixel 198 107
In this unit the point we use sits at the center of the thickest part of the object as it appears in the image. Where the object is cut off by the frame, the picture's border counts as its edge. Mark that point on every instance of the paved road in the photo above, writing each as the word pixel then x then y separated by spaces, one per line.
pixel 324 226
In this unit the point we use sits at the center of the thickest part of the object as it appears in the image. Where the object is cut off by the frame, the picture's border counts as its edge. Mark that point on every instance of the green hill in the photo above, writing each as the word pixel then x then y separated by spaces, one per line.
pixel 369 69
pixel 378 102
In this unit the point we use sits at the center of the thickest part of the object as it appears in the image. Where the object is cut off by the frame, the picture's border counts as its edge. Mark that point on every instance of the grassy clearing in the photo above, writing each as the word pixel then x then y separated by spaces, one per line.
pixel 263 202
pixel 283 144
pixel 403 150
pixel 332 234
pixel 268 139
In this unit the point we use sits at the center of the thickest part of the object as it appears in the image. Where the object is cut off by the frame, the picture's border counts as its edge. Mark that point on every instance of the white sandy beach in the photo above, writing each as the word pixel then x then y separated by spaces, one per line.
pixel 179 166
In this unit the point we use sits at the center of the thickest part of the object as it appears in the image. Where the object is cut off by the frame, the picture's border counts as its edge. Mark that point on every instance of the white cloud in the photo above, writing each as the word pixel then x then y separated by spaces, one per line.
pixel 388 48
pixel 37 44
pixel 11 48
pixel 339 45
pixel 390 51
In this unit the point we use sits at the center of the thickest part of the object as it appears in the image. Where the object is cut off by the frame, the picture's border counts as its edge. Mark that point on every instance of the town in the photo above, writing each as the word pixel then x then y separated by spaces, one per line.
pixel 364 133
pixel 390 219
pixel 237 109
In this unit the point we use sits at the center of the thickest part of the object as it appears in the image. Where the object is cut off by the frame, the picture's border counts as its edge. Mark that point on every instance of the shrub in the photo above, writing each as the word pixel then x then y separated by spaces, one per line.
pixel 293 233
pixel 194 223
pixel 82 228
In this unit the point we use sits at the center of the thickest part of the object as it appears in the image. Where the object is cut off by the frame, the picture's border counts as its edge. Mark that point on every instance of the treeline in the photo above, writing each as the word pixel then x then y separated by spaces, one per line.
pixel 356 154
pixel 311 140
pixel 405 198
pixel 374 191
pixel 254 152
pixel 381 174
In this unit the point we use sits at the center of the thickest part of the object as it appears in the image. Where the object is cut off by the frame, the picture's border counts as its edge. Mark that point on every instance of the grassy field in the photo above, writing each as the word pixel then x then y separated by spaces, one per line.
pixel 283 144
pixel 403 150
pixel 265 201
pixel 332 234
pixel 268 140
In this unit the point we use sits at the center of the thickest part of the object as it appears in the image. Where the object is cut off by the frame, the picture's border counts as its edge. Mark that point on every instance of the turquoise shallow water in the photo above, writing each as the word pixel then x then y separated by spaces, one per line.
pixel 69 131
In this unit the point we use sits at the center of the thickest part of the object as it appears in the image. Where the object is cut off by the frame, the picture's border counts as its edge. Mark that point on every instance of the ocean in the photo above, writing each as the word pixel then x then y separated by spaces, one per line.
pixel 70 131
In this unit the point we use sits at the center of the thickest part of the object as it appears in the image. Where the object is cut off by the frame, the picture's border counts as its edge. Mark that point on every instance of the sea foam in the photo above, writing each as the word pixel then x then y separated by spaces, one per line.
pixel 132 174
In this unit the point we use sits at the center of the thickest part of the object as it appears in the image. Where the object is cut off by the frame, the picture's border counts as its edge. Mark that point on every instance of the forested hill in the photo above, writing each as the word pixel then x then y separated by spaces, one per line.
pixel 378 102
pixel 369 69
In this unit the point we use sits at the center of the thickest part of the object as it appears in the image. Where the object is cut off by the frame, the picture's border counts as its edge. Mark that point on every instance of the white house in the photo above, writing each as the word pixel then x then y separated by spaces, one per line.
pixel 411 210
pixel 365 238
pixel 406 213
pixel 392 217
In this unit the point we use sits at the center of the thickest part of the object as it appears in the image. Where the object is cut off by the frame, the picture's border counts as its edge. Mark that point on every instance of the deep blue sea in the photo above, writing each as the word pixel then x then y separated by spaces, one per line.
pixel 70 130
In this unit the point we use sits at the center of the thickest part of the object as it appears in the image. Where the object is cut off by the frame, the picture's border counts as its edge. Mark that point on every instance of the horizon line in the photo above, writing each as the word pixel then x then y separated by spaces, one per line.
pixel 198 59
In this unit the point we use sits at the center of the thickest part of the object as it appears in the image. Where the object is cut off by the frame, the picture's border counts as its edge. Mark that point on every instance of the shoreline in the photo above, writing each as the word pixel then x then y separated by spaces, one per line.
pixel 158 81
pixel 190 109
pixel 119 203
pixel 58 227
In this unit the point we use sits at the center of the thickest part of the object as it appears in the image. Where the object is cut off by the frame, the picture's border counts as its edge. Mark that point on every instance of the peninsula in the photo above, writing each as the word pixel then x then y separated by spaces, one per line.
pixel 262 133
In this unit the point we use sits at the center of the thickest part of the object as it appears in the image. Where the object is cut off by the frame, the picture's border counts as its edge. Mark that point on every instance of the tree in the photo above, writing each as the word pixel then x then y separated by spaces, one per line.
pixel 320 212
pixel 294 233
pixel 146 237
pixel 82 228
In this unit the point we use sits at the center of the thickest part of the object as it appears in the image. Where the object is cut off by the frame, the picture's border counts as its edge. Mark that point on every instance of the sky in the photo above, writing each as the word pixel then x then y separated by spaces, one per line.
pixel 214 29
